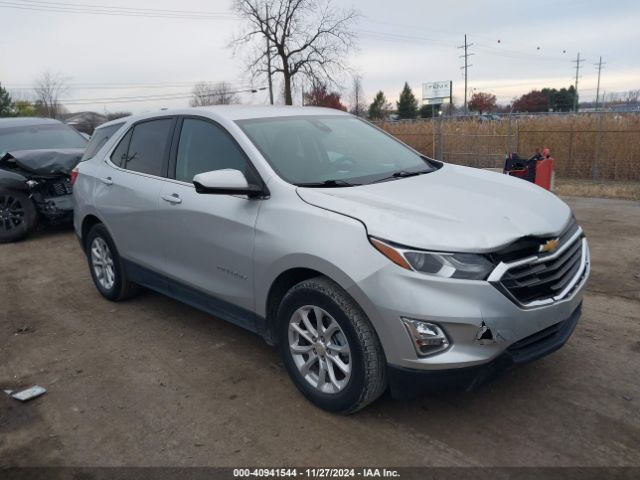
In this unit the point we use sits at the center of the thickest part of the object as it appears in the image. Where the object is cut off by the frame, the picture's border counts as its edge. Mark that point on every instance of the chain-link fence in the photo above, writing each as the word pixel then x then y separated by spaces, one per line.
pixel 592 146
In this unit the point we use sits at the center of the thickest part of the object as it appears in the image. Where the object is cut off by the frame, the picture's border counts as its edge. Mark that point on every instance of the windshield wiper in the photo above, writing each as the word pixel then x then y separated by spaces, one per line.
pixel 328 184
pixel 401 174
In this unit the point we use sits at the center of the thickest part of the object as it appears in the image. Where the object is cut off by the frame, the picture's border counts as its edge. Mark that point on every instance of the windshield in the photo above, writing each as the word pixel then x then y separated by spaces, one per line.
pixel 331 150
pixel 38 137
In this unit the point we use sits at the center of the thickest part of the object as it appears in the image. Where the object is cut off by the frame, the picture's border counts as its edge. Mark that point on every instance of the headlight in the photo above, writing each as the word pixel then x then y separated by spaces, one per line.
pixel 446 265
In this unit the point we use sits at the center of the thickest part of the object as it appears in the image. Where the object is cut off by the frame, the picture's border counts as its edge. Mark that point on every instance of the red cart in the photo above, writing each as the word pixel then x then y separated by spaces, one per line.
pixel 538 169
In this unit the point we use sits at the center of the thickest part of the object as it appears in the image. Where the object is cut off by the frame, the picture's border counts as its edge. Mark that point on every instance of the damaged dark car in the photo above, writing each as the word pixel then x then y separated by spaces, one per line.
pixel 37 156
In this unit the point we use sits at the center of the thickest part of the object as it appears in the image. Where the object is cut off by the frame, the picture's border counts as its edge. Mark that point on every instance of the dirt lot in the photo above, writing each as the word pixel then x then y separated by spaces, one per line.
pixel 154 382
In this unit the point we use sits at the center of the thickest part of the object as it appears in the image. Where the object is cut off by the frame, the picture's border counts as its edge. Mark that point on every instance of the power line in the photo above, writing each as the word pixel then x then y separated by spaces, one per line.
pixel 577 61
pixel 115 7
pixel 148 98
pixel 53 7
pixel 121 86
pixel 466 66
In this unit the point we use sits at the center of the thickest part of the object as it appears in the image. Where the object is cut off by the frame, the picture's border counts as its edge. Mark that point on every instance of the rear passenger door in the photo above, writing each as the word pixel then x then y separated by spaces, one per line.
pixel 129 190
pixel 209 238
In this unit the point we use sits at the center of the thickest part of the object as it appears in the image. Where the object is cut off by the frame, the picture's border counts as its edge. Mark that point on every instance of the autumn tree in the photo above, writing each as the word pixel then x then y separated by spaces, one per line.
pixel 24 108
pixel 407 103
pixel 534 101
pixel 482 102
pixel 305 38
pixel 49 87
pixel 379 106
pixel 319 96
pixel 206 93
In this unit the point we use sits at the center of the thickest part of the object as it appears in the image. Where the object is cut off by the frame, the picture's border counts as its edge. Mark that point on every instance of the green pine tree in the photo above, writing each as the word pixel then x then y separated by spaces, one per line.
pixel 6 104
pixel 378 106
pixel 407 104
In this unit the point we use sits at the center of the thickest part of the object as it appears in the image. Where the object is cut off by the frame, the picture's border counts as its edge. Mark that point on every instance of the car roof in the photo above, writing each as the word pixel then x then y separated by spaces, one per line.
pixel 234 112
pixel 26 122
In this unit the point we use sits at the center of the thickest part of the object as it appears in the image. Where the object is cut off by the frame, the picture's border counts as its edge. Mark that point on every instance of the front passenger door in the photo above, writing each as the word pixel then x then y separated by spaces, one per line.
pixel 209 238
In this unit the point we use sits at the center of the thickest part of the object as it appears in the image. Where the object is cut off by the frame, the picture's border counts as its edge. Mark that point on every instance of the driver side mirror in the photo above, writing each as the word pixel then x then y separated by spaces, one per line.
pixel 225 182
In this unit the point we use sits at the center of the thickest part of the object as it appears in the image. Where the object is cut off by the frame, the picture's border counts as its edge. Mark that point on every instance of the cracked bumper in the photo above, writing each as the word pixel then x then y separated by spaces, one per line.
pixel 408 383
pixel 461 308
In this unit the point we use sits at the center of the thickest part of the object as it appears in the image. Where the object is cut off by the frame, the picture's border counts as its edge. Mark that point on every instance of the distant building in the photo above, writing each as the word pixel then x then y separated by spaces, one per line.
pixel 85 122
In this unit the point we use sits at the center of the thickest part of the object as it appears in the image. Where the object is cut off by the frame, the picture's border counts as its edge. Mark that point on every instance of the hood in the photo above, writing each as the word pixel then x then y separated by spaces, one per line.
pixel 44 162
pixel 454 209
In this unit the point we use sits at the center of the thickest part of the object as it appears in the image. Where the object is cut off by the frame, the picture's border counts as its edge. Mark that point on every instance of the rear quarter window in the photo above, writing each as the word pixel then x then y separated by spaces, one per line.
pixel 99 138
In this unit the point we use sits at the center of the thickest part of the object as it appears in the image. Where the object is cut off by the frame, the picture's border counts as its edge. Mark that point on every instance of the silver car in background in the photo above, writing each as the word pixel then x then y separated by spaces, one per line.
pixel 368 264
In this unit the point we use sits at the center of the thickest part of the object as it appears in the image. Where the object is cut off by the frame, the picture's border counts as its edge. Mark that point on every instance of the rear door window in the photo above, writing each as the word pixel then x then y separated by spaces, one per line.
pixel 144 148
pixel 148 147
pixel 99 138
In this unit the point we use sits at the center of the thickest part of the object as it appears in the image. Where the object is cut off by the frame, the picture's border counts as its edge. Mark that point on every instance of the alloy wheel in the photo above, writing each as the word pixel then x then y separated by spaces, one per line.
pixel 320 349
pixel 12 213
pixel 102 263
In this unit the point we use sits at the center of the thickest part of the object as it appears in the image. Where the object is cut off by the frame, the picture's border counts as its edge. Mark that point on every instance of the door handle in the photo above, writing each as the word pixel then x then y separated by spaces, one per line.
pixel 107 181
pixel 173 198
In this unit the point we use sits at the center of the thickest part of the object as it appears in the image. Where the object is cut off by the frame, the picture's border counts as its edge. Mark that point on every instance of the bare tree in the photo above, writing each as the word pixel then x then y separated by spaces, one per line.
pixel 206 93
pixel 358 105
pixel 300 37
pixel 49 87
pixel 632 96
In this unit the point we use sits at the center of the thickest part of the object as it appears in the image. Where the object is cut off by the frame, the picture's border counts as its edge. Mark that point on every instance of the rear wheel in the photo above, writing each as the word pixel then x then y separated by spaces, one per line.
pixel 18 215
pixel 105 265
pixel 329 347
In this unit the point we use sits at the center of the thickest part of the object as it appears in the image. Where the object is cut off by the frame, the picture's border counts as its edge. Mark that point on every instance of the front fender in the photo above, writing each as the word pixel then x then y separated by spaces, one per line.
pixel 13 181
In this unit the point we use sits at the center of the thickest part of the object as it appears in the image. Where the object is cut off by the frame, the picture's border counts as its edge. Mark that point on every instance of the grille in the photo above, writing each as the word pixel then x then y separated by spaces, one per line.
pixel 61 188
pixel 547 275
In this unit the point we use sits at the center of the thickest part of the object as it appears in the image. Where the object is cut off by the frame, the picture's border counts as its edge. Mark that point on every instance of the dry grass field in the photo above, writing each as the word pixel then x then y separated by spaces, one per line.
pixel 599 147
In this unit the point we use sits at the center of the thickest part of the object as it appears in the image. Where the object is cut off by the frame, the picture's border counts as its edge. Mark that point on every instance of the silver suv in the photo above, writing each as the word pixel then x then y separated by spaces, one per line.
pixel 370 265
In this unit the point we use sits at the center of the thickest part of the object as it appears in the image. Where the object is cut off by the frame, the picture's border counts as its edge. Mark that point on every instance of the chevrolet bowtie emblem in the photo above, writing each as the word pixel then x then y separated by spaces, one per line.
pixel 550 245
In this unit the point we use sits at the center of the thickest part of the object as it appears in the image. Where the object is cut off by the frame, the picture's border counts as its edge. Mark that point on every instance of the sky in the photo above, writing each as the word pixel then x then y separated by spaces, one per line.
pixel 518 46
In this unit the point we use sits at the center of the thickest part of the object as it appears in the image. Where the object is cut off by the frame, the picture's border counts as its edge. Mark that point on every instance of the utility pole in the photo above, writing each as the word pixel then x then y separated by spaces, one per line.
pixel 466 66
pixel 266 7
pixel 599 66
pixel 577 61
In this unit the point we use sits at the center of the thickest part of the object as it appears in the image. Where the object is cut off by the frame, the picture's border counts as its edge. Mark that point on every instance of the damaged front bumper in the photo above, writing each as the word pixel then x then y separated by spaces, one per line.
pixel 61 205
pixel 484 328
pixel 407 383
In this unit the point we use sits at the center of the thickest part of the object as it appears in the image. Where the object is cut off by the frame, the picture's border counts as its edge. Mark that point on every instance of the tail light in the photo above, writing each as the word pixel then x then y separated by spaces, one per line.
pixel 74 175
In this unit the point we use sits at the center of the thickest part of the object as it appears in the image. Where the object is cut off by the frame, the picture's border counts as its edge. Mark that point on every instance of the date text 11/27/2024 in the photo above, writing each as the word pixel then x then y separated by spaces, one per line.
pixel 316 472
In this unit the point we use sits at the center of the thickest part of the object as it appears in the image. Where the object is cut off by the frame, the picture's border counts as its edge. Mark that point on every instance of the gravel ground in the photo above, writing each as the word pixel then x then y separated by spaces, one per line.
pixel 152 382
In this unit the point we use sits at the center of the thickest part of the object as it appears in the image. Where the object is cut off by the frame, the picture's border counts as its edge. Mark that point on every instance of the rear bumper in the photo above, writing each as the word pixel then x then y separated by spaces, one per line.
pixel 407 383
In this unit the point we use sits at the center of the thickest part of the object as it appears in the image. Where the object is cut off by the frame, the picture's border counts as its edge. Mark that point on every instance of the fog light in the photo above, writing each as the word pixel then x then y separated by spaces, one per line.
pixel 428 338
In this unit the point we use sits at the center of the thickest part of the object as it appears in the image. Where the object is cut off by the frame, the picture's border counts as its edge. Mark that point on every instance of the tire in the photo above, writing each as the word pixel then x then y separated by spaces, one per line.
pixel 365 377
pixel 18 215
pixel 106 267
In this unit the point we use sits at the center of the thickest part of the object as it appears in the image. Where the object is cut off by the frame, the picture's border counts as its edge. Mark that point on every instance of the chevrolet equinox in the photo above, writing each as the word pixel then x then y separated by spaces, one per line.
pixel 370 265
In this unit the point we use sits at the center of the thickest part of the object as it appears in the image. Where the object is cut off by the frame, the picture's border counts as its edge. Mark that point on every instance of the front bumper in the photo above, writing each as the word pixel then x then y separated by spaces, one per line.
pixel 408 383
pixel 462 308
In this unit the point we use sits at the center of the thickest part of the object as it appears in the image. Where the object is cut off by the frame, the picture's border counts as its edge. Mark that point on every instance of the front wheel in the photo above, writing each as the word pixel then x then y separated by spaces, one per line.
pixel 18 215
pixel 329 347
